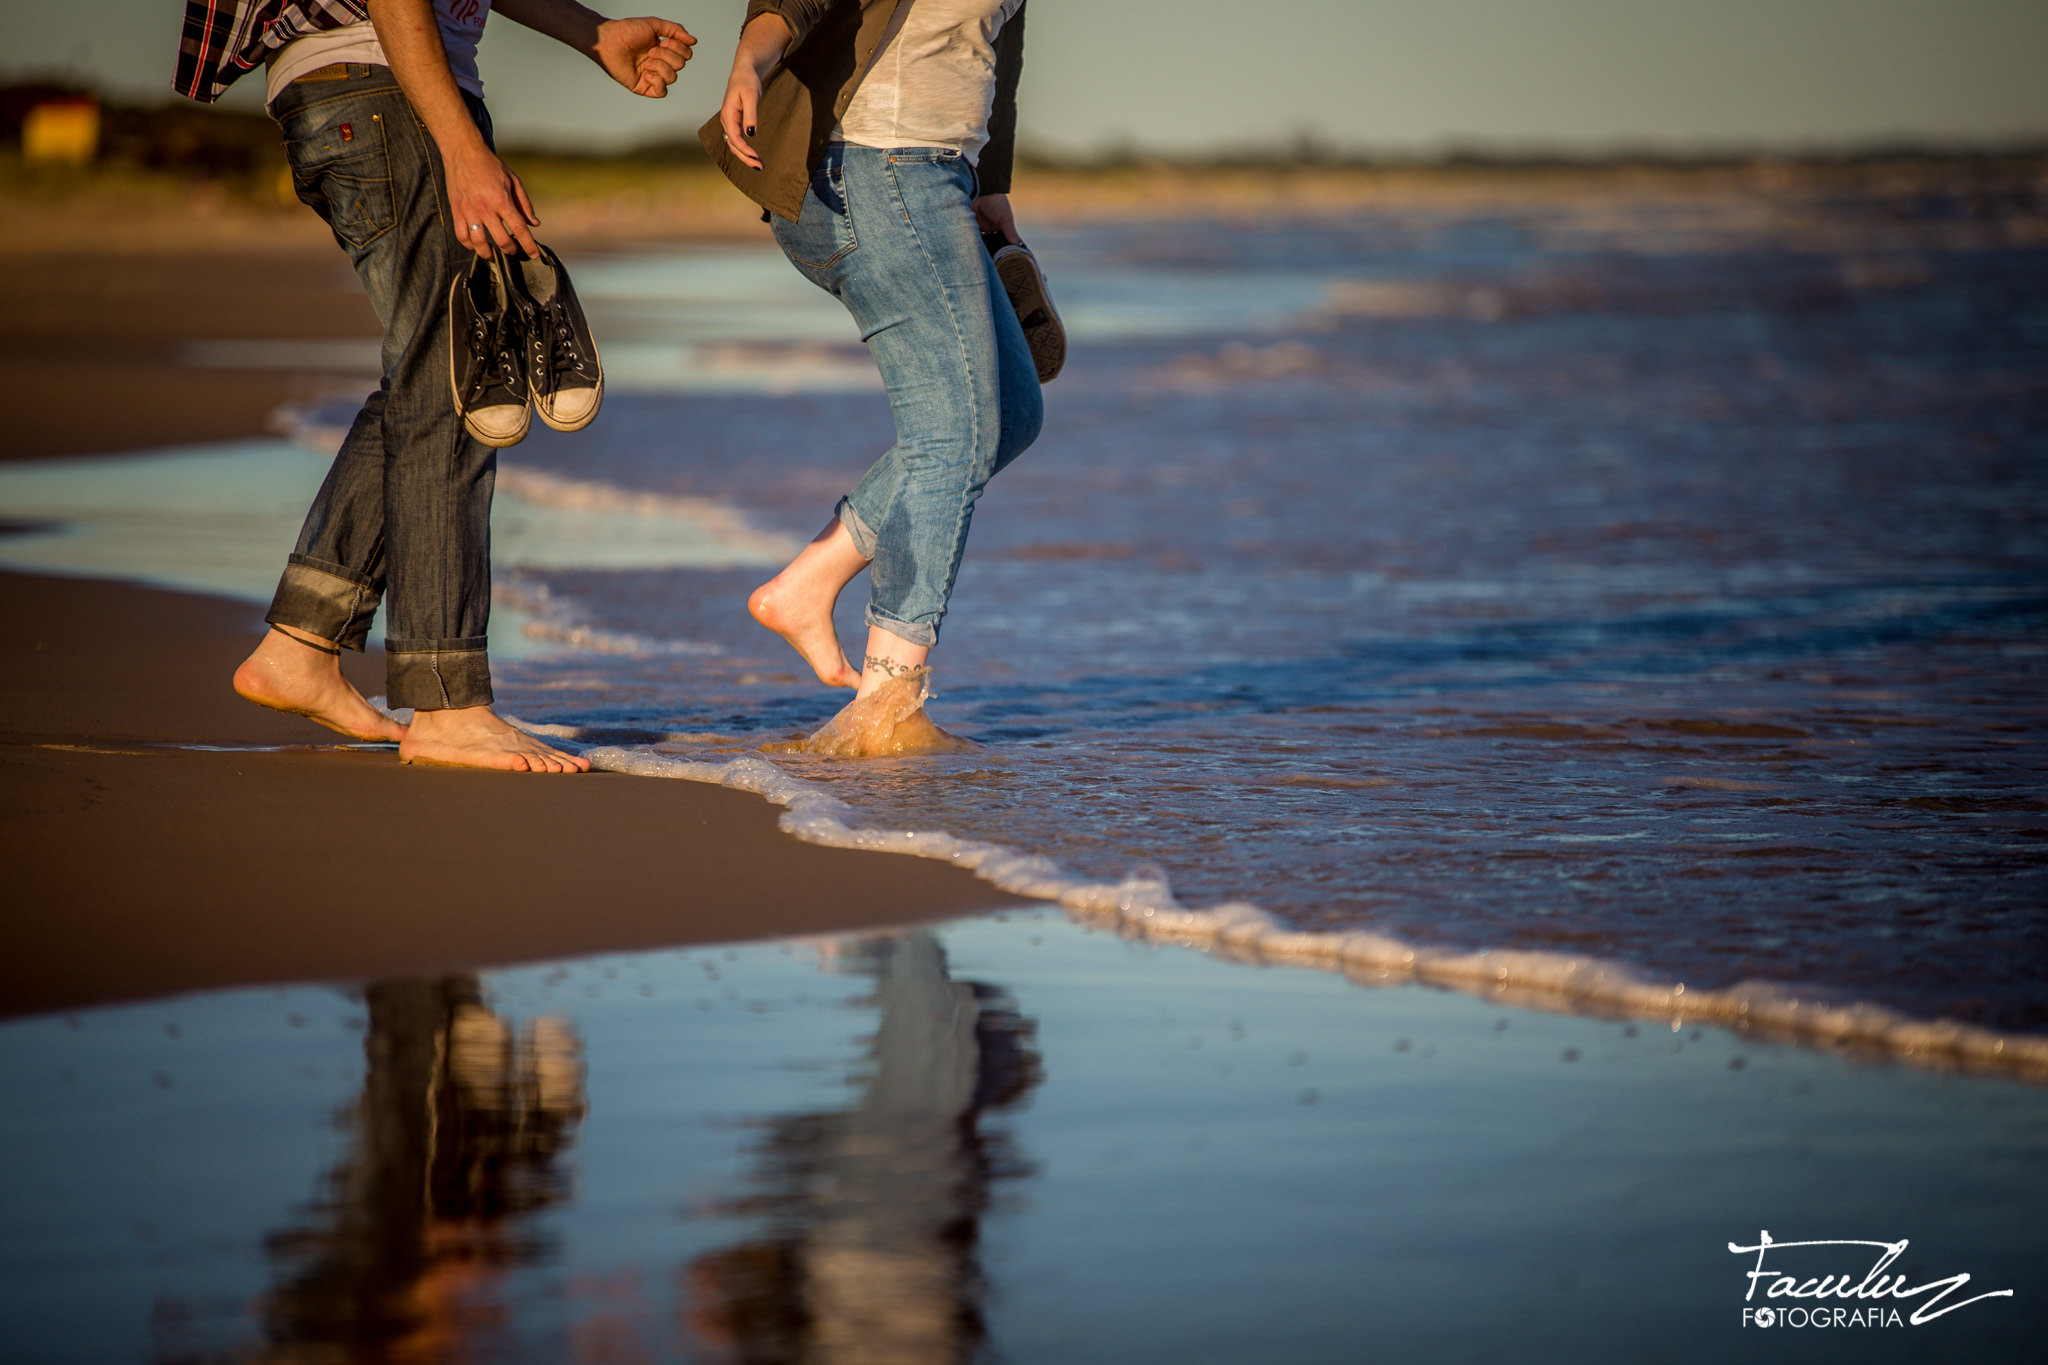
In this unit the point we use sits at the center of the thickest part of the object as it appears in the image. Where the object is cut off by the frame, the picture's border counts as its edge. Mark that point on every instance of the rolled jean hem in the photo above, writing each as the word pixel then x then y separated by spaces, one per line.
pixel 917 633
pixel 864 538
pixel 325 600
pixel 866 542
pixel 431 675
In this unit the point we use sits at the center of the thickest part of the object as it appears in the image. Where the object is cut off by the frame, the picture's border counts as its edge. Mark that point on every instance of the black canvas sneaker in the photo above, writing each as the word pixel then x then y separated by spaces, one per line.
pixel 1024 282
pixel 487 354
pixel 561 355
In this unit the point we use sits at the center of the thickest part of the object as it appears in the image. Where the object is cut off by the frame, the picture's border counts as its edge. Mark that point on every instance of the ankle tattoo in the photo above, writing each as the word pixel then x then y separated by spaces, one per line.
pixel 876 663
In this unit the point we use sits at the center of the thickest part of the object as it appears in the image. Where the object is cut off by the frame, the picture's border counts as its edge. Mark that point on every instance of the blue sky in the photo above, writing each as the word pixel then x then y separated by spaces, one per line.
pixel 1366 75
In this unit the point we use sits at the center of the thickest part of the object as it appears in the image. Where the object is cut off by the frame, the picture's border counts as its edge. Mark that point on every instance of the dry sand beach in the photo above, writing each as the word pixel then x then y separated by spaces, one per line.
pixel 313 1056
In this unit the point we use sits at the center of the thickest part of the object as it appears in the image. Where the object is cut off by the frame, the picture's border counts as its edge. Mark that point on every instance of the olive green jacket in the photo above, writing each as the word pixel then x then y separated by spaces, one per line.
pixel 832 45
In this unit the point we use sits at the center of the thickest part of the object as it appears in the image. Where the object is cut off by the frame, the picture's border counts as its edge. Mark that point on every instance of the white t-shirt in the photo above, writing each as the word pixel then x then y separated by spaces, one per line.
pixel 461 21
pixel 932 80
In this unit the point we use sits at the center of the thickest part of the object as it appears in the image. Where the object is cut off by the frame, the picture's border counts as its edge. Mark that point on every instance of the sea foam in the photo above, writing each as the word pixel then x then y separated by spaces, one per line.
pixel 1143 906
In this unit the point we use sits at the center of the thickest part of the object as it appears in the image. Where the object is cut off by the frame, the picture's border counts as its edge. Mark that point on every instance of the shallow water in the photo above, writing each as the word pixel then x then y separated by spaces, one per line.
pixel 1005 1139
pixel 1665 587
pixel 1660 582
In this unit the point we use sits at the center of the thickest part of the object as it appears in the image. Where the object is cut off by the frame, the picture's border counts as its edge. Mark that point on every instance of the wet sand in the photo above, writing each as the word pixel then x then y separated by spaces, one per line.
pixel 141 867
pixel 1005 1138
pixel 91 364
pixel 106 295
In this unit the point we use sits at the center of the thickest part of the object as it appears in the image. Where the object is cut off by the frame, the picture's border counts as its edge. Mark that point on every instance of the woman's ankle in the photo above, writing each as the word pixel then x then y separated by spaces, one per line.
pixel 889 657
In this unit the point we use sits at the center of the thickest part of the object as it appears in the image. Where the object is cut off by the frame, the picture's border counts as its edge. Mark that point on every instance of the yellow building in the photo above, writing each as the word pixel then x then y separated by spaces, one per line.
pixel 62 130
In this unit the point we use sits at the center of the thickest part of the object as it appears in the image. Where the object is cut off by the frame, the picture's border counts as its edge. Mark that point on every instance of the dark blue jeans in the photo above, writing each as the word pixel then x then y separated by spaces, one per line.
pixel 404 517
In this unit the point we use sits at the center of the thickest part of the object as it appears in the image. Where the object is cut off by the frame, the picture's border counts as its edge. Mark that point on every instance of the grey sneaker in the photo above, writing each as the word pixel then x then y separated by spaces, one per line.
pixel 486 356
pixel 561 355
pixel 1024 282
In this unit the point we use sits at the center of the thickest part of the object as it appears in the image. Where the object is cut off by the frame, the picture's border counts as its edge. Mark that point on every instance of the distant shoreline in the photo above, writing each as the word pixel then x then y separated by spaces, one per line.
pixel 119 267
pixel 663 196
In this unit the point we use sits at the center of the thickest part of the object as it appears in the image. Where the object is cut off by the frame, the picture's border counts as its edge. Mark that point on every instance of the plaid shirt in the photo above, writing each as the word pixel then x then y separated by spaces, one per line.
pixel 226 39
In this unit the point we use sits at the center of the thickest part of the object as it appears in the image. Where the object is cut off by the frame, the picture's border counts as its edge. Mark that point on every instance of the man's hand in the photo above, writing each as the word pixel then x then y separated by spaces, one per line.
pixel 486 202
pixel 489 203
pixel 993 213
pixel 644 55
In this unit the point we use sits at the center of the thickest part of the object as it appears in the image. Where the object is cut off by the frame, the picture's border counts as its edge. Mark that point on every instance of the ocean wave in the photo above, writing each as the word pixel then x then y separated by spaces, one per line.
pixel 1143 906
pixel 726 523
pixel 321 426
pixel 560 621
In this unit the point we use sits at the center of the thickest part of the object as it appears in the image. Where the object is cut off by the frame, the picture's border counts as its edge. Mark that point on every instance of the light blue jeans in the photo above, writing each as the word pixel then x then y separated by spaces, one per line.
pixel 891 234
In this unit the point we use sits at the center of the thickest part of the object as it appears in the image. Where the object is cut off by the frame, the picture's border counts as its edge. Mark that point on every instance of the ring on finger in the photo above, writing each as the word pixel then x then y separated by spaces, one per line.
pixel 475 228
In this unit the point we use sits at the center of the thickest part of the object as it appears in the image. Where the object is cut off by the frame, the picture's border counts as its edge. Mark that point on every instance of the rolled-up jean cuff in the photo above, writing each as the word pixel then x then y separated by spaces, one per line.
pixel 325 600
pixel 917 633
pixel 864 539
pixel 437 675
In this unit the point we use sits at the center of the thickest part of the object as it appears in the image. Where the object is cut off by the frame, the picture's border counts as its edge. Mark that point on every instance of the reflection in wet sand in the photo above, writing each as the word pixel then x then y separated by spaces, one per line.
pixel 1225 1166
pixel 874 1210
pixel 456 1140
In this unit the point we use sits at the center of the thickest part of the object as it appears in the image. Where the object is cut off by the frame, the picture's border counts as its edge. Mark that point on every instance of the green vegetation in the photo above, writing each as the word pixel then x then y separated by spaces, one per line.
pixel 169 152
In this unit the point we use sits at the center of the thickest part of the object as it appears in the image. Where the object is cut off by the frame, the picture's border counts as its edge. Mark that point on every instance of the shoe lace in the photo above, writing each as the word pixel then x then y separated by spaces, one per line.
pixel 492 361
pixel 556 350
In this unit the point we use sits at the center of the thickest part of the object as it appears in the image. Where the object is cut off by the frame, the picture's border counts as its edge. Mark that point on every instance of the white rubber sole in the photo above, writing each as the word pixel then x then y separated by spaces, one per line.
pixel 499 426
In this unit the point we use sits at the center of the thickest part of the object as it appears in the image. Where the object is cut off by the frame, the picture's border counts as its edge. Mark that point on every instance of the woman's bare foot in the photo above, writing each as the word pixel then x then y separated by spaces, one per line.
pixel 285 673
pixel 797 603
pixel 478 737
pixel 883 721
pixel 887 715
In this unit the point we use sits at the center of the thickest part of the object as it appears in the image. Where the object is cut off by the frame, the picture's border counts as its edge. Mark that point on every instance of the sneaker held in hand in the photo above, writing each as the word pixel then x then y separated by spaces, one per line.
pixel 1025 284
pixel 561 355
pixel 487 353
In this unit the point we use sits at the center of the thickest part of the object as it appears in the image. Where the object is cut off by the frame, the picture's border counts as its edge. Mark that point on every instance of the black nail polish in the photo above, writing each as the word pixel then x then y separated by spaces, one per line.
pixel 750 130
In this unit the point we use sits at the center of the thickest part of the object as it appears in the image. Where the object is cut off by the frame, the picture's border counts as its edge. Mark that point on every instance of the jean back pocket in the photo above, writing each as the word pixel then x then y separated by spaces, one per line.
pixel 823 234
pixel 342 172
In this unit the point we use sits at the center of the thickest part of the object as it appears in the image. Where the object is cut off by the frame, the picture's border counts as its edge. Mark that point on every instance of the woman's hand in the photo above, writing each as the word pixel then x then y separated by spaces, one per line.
pixel 993 213
pixel 762 44
pixel 737 114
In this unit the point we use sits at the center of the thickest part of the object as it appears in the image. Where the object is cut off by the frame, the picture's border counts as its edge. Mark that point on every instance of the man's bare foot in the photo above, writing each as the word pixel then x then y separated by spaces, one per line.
pixel 797 603
pixel 478 737
pixel 285 673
